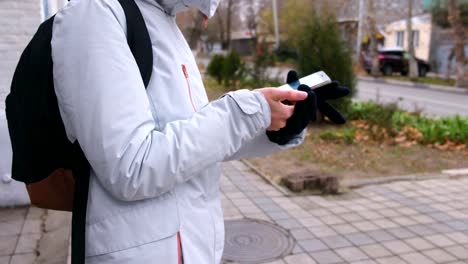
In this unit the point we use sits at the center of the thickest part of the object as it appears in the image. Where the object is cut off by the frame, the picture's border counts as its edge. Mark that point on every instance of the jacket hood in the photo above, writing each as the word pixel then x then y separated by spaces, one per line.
pixel 207 7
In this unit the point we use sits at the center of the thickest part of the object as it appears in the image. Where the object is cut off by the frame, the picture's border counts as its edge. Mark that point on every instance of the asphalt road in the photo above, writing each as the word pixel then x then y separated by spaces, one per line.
pixel 430 102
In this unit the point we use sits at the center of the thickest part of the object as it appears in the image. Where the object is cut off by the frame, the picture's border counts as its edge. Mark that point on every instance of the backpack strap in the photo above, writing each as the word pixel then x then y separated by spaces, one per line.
pixel 81 171
pixel 139 41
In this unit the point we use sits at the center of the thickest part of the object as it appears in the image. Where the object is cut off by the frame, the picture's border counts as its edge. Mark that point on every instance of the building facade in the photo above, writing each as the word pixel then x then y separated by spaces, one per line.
pixel 19 20
pixel 396 35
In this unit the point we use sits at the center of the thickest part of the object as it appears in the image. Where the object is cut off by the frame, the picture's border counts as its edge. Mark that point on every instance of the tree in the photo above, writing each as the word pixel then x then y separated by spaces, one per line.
pixel 413 66
pixel 225 15
pixel 316 37
pixel 190 23
pixel 262 57
pixel 440 15
pixel 449 63
pixel 251 17
pixel 375 70
pixel 459 37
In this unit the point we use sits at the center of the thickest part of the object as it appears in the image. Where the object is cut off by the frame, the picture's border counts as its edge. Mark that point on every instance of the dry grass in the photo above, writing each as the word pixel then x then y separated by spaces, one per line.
pixel 358 160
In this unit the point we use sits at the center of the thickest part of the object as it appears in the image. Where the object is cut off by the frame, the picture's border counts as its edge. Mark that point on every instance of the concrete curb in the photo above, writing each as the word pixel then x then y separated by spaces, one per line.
pixel 383 180
pixel 434 87
pixel 445 174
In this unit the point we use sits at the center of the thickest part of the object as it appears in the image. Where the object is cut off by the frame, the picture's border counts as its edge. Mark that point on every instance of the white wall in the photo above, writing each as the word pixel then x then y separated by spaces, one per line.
pixel 19 20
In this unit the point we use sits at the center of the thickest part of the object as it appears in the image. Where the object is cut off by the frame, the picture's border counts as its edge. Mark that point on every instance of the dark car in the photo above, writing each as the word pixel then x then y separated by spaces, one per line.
pixel 395 60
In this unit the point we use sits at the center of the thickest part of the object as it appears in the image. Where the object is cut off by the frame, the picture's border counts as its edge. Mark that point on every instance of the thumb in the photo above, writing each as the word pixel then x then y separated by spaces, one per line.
pixel 288 94
pixel 292 77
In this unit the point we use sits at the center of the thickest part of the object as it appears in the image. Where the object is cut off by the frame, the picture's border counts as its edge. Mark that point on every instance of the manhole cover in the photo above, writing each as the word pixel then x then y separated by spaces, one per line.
pixel 255 241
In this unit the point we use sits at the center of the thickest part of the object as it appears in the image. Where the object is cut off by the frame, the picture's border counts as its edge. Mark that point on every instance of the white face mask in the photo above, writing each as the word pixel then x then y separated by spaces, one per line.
pixel 207 7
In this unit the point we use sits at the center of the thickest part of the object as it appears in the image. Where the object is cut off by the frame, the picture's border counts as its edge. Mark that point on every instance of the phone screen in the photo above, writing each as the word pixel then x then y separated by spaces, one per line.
pixel 313 81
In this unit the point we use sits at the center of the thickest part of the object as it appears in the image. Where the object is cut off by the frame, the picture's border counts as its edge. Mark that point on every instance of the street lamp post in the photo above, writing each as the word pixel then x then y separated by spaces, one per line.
pixel 359 29
pixel 275 22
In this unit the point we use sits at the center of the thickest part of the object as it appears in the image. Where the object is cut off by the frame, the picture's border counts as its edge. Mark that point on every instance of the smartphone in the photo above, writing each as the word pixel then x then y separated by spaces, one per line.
pixel 313 80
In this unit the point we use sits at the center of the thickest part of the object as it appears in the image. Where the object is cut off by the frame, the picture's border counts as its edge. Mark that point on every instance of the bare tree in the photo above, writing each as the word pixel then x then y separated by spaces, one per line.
pixel 251 17
pixel 450 57
pixel 191 24
pixel 221 28
pixel 459 37
pixel 225 19
pixel 413 66
pixel 375 70
pixel 196 30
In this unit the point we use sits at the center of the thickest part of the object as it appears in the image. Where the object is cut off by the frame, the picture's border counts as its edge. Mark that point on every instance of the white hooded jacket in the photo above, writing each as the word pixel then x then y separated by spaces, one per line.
pixel 156 153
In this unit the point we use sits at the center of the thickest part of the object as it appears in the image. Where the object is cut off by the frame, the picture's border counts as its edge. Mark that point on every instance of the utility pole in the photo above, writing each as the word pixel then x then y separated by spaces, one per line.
pixel 371 18
pixel 412 64
pixel 359 33
pixel 275 22
pixel 458 36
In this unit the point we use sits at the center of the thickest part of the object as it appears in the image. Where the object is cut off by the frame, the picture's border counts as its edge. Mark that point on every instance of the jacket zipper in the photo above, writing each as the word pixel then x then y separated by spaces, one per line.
pixel 180 255
pixel 184 69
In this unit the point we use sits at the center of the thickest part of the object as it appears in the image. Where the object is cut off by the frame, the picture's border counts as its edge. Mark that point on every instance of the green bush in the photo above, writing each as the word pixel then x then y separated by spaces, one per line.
pixel 215 68
pixel 227 69
pixel 262 59
pixel 286 52
pixel 454 129
pixel 343 135
pixel 233 69
pixel 374 114
pixel 320 47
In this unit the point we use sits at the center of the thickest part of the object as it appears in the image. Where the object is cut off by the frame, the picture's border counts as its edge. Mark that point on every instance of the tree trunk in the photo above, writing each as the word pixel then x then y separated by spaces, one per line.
pixel 221 31
pixel 227 44
pixel 412 64
pixel 195 32
pixel 449 63
pixel 375 70
pixel 458 35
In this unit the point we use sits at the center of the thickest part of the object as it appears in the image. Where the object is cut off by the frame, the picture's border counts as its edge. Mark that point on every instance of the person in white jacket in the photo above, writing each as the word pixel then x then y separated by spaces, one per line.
pixel 155 154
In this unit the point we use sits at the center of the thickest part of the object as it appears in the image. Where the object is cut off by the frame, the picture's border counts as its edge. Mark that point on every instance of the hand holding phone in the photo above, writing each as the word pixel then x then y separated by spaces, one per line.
pixel 324 90
pixel 319 88
pixel 313 81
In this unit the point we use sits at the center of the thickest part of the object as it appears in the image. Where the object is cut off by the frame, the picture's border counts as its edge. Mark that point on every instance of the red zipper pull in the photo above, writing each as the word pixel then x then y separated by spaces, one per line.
pixel 184 69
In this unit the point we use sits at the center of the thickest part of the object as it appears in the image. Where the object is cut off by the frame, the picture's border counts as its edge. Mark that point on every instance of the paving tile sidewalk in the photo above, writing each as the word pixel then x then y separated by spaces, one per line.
pixel 31 235
pixel 419 222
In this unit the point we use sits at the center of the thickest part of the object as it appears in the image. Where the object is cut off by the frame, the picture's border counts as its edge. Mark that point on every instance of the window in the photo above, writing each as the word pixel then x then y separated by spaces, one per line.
pixel 400 38
pixel 416 38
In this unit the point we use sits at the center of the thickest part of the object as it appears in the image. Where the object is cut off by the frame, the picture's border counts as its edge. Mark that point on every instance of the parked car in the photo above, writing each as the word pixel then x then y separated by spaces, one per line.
pixel 395 60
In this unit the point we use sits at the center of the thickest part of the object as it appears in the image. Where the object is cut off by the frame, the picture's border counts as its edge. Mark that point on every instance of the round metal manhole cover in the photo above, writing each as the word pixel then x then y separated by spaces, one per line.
pixel 255 241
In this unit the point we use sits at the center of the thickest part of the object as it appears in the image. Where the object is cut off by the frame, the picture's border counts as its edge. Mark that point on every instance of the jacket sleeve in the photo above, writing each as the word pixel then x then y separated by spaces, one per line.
pixel 260 145
pixel 104 106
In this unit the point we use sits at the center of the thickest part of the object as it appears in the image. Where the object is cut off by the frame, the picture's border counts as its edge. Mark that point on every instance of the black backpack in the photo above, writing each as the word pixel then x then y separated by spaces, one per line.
pixel 41 149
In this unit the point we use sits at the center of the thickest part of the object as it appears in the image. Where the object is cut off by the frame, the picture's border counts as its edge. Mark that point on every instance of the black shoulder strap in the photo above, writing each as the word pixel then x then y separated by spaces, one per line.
pixel 81 170
pixel 138 39
pixel 139 42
